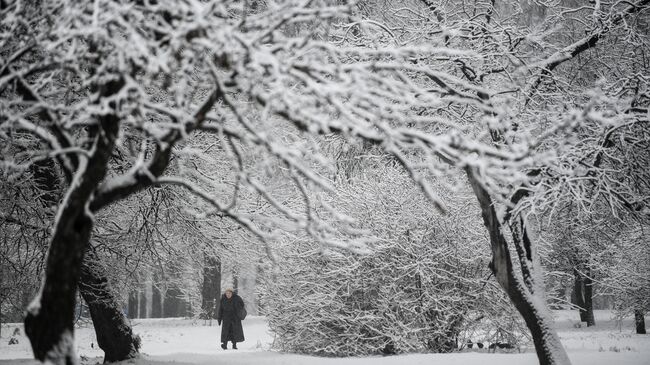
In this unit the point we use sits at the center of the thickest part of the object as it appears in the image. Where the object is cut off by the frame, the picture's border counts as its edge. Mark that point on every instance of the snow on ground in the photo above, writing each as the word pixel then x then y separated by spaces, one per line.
pixel 188 342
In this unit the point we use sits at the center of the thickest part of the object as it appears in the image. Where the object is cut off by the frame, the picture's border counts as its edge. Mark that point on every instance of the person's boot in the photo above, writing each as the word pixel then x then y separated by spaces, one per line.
pixel 234 345
pixel 224 345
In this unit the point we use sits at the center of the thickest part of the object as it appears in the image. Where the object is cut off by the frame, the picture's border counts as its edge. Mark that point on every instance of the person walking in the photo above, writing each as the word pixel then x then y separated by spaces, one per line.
pixel 231 312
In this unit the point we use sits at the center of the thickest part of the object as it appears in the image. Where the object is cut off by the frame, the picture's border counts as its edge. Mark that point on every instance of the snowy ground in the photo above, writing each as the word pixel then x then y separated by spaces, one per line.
pixel 187 342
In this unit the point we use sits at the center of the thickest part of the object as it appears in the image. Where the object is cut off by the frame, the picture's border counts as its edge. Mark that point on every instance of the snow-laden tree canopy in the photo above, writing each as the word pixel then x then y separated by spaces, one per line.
pixel 118 92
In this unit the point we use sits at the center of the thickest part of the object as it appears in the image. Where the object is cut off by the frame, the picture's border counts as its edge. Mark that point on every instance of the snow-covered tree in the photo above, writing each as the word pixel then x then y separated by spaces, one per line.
pixel 626 273
pixel 112 90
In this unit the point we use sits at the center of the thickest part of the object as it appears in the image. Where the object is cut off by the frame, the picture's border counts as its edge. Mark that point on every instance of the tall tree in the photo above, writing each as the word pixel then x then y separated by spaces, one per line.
pixel 211 289
pixel 114 334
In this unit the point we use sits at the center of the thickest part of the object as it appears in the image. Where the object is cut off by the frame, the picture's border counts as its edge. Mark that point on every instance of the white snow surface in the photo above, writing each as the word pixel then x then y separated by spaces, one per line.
pixel 187 342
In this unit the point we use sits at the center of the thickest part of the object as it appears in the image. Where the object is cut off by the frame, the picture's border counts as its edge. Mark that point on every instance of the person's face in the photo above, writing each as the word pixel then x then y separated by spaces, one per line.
pixel 228 294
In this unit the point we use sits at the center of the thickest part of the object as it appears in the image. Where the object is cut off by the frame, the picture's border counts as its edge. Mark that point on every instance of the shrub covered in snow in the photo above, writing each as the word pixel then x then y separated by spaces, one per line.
pixel 419 284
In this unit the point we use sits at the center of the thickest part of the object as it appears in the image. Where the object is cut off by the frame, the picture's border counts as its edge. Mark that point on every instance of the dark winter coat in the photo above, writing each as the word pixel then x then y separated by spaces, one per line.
pixel 228 314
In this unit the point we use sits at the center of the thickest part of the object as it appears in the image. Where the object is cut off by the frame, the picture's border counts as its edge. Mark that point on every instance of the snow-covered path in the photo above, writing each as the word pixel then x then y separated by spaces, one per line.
pixel 185 342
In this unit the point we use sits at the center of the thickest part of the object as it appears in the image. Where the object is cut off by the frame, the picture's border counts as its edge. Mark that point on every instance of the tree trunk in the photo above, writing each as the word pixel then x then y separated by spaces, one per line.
pixel 259 275
pixel 114 334
pixel 50 318
pixel 589 301
pixel 639 321
pixel 579 295
pixel 547 343
pixel 173 306
pixel 110 327
pixel 156 302
pixel 583 289
pixel 133 304
pixel 142 304
pixel 211 289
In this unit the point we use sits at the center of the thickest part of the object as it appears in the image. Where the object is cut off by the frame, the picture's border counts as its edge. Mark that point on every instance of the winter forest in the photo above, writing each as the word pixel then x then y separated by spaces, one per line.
pixel 380 181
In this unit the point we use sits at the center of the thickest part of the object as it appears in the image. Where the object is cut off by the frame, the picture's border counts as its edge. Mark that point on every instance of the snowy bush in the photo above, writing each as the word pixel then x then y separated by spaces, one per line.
pixel 415 289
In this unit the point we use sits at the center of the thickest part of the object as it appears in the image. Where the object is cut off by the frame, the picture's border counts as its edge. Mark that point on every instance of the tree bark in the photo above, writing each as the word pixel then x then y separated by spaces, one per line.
pixel 157 301
pixel 211 289
pixel 639 321
pixel 50 318
pixel 579 294
pixel 114 334
pixel 142 304
pixel 259 274
pixel 547 343
pixel 583 290
pixel 172 307
pixel 589 301
pixel 133 304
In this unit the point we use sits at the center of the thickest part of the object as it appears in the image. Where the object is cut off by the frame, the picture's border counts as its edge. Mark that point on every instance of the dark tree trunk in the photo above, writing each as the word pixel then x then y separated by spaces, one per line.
pixel 50 319
pixel 639 321
pixel 520 290
pixel 156 302
pixel 211 290
pixel 142 304
pixel 110 327
pixel 189 310
pixel 49 324
pixel 589 301
pixel 133 304
pixel 114 334
pixel 259 309
pixel 182 306
pixel 583 289
pixel 173 306
pixel 579 295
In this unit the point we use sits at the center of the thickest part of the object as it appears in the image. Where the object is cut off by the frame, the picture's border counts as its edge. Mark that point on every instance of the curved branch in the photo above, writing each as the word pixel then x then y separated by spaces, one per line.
pixel 588 42
pixel 143 176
